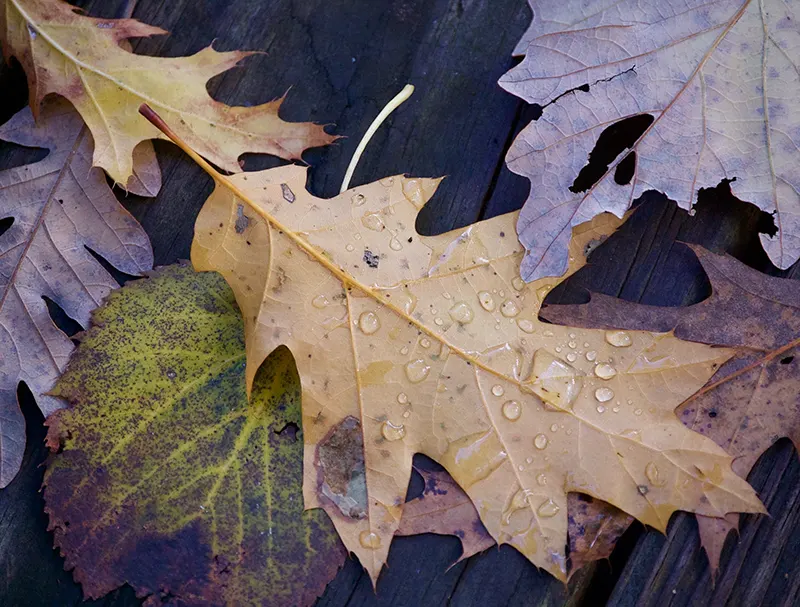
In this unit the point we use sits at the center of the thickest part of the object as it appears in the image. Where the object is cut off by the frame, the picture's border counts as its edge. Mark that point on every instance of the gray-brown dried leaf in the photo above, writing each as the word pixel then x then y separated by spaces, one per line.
pixel 60 208
pixel 714 84
pixel 754 399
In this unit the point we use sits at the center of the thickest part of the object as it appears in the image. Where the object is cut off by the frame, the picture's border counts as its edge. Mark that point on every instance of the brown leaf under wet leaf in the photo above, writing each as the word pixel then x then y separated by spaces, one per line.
pixel 754 399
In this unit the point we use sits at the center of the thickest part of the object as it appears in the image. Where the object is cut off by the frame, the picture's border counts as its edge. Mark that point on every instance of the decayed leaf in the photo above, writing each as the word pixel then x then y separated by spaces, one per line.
pixel 444 508
pixel 754 399
pixel 59 206
pixel 410 344
pixel 169 479
pixel 719 81
pixel 81 58
pixel 594 528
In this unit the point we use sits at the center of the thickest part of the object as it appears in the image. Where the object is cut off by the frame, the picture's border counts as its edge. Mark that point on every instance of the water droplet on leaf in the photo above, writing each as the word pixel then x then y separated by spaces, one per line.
pixel 417 370
pixel 511 410
pixel 604 394
pixel 369 323
pixel 462 313
pixel 392 432
pixel 486 300
pixel 618 339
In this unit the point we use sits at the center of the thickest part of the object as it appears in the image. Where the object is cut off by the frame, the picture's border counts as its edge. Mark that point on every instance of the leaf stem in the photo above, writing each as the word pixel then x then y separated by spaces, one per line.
pixel 390 107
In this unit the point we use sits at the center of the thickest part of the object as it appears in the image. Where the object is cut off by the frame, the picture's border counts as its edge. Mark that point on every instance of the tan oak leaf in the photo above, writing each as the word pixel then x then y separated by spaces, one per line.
pixel 82 59
pixel 409 344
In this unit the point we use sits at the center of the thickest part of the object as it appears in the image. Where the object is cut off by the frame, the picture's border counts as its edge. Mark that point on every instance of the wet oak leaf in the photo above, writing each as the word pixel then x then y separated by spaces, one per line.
pixel 60 208
pixel 82 59
pixel 409 344
pixel 168 479
pixel 753 400
pixel 715 84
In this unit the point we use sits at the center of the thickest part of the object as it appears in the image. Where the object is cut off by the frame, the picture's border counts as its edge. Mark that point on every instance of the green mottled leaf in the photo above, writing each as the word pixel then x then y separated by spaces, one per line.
pixel 167 478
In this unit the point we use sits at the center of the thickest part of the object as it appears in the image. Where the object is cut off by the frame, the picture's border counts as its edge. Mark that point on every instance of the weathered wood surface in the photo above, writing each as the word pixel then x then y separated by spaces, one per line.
pixel 341 60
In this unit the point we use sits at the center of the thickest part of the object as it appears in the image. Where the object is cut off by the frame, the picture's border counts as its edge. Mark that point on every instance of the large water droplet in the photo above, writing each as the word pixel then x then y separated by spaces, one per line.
pixel 525 325
pixel 619 339
pixel 653 475
pixel 412 190
pixel 631 434
pixel 462 313
pixel 520 500
pixel 320 301
pixel 604 394
pixel 358 200
pixel 486 300
pixel 498 390
pixel 553 427
pixel 373 221
pixel 591 355
pixel 402 398
pixel 553 380
pixel 548 509
pixel 511 410
pixel 349 248
pixel 392 432
pixel 425 342
pixel 540 442
pixel 572 357
pixel 605 371
pixel 518 283
pixel 541 480
pixel 509 309
pixel 417 370
pixel 474 457
pixel 369 540
pixel 369 322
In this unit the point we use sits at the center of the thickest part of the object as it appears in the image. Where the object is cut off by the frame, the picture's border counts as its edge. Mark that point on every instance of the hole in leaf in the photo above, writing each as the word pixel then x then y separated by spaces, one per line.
pixel 61 319
pixel 625 169
pixel 5 224
pixel 289 431
pixel 120 277
pixel 786 360
pixel 611 143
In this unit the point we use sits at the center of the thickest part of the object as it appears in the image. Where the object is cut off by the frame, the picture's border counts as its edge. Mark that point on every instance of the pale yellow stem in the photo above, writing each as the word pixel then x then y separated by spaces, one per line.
pixel 395 103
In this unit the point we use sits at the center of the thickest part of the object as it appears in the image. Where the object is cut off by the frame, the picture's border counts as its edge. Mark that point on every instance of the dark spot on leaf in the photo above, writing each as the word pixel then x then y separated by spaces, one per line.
pixel 289 431
pixel 242 220
pixel 288 195
pixel 786 360
pixel 371 259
